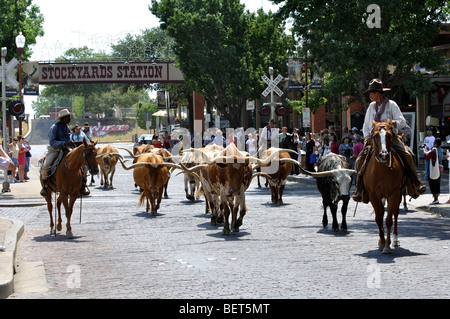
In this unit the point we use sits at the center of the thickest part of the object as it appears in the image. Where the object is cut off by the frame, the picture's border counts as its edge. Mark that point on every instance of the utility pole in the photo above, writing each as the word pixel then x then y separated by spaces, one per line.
pixel 5 146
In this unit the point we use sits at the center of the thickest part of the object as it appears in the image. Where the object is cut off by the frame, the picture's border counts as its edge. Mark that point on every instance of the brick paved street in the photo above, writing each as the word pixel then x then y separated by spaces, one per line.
pixel 119 251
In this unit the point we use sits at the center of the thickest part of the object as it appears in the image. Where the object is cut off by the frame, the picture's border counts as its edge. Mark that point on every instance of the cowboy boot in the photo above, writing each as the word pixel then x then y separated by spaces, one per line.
pixel 84 189
pixel 44 191
pixel 357 196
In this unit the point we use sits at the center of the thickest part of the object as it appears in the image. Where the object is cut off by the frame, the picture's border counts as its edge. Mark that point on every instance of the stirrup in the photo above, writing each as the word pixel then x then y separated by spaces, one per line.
pixel 85 191
pixel 357 197
pixel 44 192
pixel 421 189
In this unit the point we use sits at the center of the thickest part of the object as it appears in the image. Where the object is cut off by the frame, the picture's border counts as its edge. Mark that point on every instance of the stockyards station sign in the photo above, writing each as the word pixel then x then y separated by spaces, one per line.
pixel 107 72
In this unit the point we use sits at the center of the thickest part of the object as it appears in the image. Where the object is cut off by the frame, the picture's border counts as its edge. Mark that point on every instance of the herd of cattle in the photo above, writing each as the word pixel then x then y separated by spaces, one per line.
pixel 222 175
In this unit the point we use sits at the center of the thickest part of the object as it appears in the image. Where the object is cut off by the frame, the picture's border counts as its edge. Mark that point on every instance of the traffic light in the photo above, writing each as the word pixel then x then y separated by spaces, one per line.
pixel 264 109
pixel 16 108
pixel 280 110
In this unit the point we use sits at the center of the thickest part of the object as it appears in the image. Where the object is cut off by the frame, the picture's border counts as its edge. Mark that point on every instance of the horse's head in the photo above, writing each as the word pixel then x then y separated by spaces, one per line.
pixel 382 140
pixel 90 156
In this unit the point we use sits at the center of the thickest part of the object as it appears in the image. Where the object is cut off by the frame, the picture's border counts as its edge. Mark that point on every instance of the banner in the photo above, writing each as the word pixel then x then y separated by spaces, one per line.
pixel 105 129
pixel 295 75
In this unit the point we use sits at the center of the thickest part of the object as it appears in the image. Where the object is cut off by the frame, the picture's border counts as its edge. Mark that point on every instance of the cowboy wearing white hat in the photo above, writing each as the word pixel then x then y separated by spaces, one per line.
pixel 59 140
pixel 380 110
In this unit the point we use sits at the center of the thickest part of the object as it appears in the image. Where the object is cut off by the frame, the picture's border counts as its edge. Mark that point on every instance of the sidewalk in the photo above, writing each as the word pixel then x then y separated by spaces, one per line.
pixel 20 195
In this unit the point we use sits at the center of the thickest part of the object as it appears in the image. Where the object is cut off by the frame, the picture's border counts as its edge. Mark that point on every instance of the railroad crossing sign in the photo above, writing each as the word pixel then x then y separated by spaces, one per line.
pixel 272 85
pixel 10 73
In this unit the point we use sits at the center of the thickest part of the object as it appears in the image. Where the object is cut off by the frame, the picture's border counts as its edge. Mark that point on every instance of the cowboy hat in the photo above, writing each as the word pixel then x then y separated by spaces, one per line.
pixel 376 86
pixel 75 127
pixel 63 113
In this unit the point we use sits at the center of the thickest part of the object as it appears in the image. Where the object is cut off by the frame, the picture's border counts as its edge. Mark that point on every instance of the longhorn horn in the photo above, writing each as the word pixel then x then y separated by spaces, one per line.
pixel 323 173
pixel 117 154
pixel 112 154
pixel 146 164
pixel 129 152
pixel 190 171
pixel 261 174
pixel 205 156
pixel 273 154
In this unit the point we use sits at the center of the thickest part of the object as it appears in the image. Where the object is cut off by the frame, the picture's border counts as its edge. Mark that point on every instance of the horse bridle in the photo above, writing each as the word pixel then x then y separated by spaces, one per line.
pixel 86 149
pixel 384 154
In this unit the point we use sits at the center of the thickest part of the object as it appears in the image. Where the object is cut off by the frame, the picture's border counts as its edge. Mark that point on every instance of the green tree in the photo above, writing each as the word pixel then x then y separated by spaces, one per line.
pixel 46 101
pixel 224 50
pixel 147 107
pixel 153 44
pixel 335 35
pixel 16 16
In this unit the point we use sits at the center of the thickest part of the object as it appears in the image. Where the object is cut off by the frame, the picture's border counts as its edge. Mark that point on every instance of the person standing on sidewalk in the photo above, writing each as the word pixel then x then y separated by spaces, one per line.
pixel 6 163
pixel 22 159
pixel 14 151
pixel 435 157
pixel 28 156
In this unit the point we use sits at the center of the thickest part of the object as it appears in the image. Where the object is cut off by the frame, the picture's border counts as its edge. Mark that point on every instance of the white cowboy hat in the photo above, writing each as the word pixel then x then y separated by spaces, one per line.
pixel 63 113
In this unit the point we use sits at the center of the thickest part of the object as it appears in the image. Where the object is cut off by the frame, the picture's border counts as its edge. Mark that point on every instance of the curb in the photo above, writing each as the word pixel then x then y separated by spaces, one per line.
pixel 8 257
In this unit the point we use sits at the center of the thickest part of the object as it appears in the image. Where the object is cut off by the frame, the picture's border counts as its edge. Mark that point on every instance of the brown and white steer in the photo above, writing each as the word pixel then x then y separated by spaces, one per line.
pixel 145 149
pixel 226 177
pixel 107 156
pixel 150 174
pixel 277 173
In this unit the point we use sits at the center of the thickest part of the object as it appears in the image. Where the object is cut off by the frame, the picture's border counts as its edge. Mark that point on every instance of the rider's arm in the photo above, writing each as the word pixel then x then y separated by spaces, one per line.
pixel 367 127
pixel 397 116
pixel 53 134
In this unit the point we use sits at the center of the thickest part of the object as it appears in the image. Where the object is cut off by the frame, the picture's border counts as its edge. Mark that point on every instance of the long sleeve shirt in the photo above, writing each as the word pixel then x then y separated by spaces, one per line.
pixel 391 111
pixel 58 135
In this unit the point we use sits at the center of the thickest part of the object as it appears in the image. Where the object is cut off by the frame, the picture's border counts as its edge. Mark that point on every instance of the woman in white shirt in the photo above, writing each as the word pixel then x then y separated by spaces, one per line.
pixel 77 136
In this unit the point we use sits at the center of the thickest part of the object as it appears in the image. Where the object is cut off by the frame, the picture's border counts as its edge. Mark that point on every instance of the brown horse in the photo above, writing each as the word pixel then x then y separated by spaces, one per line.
pixel 67 180
pixel 384 178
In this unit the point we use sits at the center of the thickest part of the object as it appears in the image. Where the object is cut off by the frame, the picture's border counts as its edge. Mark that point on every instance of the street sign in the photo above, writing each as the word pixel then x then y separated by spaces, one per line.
pixel 272 85
pixel 10 73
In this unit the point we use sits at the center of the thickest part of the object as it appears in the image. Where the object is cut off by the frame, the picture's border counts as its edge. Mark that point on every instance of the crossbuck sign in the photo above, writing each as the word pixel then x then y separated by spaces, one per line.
pixel 10 73
pixel 272 85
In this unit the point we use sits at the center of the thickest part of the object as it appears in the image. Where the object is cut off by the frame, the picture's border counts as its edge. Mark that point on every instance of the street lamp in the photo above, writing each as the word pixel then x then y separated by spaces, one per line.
pixel 20 43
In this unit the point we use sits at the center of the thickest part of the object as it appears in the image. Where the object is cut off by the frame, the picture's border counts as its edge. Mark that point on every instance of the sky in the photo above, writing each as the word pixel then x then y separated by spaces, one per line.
pixel 96 24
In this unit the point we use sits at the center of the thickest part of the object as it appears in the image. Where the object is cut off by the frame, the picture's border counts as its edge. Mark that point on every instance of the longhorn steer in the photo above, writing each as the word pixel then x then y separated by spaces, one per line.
pixel 146 149
pixel 150 174
pixel 277 178
pixel 107 157
pixel 225 178
pixel 334 179
pixel 191 183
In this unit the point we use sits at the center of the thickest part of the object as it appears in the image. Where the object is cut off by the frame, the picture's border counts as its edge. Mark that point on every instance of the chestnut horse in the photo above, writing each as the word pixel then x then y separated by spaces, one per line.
pixel 384 178
pixel 67 180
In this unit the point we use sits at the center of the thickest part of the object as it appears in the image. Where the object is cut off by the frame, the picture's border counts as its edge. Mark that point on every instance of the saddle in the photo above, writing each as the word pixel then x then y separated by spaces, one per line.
pixel 55 163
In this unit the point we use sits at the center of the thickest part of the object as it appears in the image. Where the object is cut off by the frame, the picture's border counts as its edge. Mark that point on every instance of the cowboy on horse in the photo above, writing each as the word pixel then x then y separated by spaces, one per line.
pixel 59 140
pixel 380 110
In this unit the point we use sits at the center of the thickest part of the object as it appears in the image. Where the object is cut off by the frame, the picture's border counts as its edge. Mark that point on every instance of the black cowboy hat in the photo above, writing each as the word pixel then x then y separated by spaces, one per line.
pixel 376 86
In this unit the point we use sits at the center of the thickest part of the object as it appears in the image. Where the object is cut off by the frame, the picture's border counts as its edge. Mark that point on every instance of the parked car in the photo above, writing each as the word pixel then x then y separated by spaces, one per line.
pixel 145 139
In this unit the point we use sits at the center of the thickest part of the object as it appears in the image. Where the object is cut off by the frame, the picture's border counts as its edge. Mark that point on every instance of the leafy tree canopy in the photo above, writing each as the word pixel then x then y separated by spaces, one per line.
pixel 224 50
pixel 335 35
pixel 19 16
